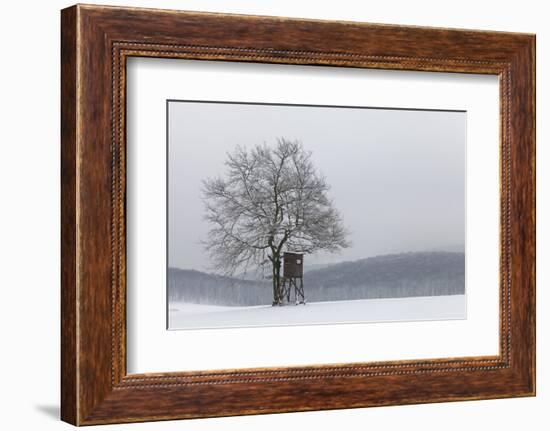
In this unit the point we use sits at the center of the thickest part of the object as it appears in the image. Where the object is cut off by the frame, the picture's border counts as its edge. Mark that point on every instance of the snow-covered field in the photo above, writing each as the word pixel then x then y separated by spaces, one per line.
pixel 193 316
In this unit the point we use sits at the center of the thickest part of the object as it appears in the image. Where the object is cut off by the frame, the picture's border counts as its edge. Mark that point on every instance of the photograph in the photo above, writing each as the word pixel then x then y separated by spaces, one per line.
pixel 283 214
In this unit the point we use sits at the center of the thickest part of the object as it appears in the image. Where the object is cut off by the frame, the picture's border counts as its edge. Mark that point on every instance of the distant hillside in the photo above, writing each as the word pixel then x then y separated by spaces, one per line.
pixel 198 287
pixel 258 274
pixel 389 276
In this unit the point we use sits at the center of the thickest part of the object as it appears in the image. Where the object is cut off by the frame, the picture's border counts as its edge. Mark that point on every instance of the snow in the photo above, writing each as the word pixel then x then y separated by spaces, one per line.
pixel 195 316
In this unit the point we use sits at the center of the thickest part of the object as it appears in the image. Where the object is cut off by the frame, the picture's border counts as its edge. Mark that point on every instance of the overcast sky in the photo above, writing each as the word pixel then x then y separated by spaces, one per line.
pixel 397 176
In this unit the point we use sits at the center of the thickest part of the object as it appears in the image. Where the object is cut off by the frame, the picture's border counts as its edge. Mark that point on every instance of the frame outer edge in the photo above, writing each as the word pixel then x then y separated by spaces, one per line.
pixel 523 177
pixel 530 82
pixel 532 101
pixel 69 201
pixel 533 54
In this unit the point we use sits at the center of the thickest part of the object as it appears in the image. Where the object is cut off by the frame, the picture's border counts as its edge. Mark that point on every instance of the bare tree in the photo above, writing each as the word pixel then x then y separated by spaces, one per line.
pixel 271 199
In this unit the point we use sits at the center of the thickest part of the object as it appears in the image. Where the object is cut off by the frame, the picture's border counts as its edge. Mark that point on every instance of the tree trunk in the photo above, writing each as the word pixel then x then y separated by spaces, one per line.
pixel 275 288
pixel 276 271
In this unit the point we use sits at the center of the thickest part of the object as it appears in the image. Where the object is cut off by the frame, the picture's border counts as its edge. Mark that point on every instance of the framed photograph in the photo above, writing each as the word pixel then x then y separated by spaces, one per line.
pixel 265 214
pixel 255 189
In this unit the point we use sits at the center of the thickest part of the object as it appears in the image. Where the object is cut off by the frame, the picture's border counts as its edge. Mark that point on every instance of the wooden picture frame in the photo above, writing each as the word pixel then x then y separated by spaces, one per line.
pixel 95 43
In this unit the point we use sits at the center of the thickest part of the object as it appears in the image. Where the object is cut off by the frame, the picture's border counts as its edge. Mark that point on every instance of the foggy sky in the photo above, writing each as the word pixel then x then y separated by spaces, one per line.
pixel 397 176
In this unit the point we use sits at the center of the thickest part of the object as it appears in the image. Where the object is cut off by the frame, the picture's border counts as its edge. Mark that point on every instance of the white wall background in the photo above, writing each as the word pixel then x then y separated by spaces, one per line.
pixel 29 215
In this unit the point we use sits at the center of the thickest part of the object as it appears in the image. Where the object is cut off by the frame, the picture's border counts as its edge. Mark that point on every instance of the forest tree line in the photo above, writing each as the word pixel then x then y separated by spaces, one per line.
pixel 389 276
